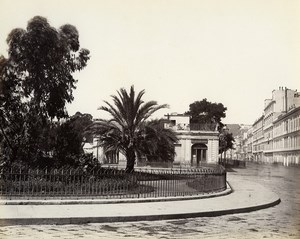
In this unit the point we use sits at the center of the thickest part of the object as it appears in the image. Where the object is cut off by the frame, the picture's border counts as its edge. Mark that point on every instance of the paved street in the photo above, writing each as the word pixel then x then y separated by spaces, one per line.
pixel 281 221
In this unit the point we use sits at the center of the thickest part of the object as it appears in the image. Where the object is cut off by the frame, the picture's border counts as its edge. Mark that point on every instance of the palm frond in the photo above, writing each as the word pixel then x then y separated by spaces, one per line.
pixel 129 129
pixel 153 110
pixel 117 115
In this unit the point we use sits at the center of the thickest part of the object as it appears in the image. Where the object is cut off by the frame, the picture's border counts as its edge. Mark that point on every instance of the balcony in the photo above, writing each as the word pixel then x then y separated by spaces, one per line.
pixel 193 127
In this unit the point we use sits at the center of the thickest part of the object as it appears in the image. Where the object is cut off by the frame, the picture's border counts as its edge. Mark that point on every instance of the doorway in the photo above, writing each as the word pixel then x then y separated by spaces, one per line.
pixel 199 154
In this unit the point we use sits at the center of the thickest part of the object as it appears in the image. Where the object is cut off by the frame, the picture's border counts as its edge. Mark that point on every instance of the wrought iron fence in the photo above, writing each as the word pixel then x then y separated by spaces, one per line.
pixel 110 182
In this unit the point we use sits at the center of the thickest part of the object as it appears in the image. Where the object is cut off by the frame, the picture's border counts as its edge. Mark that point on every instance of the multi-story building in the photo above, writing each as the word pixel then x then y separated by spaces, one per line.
pixel 241 146
pixel 258 139
pixel 269 115
pixel 286 138
pixel 248 144
pixel 238 131
pixel 275 135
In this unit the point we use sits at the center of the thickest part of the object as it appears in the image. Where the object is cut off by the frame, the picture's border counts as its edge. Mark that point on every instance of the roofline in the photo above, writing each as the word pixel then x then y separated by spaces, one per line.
pixel 260 118
pixel 271 102
pixel 282 116
pixel 181 115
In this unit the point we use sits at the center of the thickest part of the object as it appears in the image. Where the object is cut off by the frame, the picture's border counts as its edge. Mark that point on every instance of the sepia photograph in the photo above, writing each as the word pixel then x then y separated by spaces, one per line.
pixel 155 119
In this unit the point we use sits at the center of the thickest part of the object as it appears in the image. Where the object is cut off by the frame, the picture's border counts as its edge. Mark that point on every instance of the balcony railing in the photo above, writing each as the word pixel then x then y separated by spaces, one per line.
pixel 194 127
pixel 203 127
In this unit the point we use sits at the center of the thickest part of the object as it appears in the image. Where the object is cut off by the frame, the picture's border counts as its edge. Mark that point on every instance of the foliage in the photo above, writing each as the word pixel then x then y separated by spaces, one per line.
pixel 127 130
pixel 36 82
pixel 225 141
pixel 204 112
pixel 158 144
pixel 65 181
pixel 70 137
pixel 42 60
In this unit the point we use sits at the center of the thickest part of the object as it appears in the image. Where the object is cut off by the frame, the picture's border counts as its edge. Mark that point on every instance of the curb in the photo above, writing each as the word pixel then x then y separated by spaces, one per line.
pixel 84 220
pixel 111 210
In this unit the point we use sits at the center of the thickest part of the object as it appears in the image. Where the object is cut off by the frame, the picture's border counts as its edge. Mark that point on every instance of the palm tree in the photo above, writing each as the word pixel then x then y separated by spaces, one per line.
pixel 127 130
pixel 159 142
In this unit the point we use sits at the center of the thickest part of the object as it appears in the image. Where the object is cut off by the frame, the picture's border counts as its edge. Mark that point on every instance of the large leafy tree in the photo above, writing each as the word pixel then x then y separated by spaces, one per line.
pixel 36 82
pixel 205 112
pixel 128 131
pixel 70 137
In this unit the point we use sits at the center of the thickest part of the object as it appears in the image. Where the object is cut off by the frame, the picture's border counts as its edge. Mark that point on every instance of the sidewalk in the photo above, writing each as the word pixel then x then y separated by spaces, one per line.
pixel 246 196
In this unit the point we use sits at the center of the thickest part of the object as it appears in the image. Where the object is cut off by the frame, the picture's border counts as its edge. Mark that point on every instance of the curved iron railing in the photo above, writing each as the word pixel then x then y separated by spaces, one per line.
pixel 110 182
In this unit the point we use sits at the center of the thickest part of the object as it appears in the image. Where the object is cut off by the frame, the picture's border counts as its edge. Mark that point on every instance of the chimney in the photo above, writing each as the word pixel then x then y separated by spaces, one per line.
pixel 286 100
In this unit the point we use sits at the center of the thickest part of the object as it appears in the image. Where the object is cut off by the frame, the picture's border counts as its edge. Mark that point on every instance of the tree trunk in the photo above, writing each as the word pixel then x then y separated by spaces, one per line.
pixel 130 157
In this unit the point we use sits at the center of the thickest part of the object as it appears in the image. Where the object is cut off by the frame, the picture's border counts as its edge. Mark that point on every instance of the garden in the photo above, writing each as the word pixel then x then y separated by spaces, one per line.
pixel 41 146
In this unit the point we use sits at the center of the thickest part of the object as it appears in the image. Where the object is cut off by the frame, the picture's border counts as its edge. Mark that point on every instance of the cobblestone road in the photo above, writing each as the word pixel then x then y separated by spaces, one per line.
pixel 281 221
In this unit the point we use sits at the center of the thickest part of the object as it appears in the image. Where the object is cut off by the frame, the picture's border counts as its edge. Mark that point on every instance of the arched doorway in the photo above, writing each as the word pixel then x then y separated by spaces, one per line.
pixel 198 154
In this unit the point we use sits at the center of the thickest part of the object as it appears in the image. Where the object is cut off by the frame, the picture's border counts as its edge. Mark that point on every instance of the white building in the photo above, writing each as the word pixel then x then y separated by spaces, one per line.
pixel 197 143
pixel 239 133
pixel 258 139
pixel 275 136
pixel 286 138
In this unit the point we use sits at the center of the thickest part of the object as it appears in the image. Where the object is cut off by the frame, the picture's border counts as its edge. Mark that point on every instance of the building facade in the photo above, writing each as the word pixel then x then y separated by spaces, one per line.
pixel 286 138
pixel 275 136
pixel 258 138
pixel 239 132
pixel 197 143
pixel 248 144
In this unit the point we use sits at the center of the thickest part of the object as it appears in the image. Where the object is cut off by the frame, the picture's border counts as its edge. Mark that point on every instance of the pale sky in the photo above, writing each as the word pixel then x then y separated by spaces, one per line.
pixel 233 52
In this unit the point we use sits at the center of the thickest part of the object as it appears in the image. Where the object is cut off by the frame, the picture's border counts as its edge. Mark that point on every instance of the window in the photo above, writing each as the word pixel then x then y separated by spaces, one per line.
pixel 173 122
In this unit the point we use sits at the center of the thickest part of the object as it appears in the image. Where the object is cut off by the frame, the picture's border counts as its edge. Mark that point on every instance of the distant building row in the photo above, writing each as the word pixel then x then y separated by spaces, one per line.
pixel 275 136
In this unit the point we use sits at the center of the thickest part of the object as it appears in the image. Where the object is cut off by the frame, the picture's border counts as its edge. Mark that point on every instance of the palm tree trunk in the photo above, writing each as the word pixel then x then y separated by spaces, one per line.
pixel 130 156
